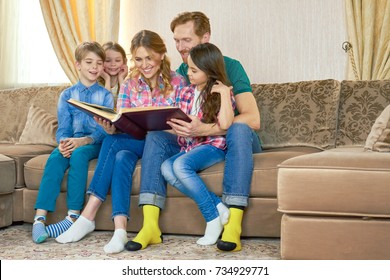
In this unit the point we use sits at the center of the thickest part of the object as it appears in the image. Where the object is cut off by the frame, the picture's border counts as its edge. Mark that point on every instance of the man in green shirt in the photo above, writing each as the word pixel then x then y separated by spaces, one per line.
pixel 191 29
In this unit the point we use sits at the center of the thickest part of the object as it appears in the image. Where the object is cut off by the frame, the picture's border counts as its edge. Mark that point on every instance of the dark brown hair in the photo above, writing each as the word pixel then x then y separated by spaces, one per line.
pixel 209 59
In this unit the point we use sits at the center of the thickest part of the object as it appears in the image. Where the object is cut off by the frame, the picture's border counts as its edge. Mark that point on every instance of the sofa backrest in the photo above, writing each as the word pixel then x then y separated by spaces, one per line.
pixel 298 114
pixel 361 103
pixel 15 104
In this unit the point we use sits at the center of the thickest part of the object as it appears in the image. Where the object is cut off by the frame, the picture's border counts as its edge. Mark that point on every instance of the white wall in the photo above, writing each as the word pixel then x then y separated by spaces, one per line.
pixel 276 41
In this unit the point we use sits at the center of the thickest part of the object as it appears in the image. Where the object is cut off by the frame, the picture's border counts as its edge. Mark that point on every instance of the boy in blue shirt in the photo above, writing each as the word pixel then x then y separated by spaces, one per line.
pixel 79 138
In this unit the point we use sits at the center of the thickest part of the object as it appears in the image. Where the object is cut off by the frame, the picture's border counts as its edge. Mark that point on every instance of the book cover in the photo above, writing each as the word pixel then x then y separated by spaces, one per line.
pixel 134 121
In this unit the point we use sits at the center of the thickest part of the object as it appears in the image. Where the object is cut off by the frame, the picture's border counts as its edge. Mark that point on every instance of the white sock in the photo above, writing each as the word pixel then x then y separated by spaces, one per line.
pixel 213 231
pixel 117 242
pixel 224 213
pixel 80 228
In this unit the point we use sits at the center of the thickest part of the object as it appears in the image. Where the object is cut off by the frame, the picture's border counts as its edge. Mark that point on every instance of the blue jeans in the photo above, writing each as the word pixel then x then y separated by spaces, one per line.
pixel 54 172
pixel 159 146
pixel 181 172
pixel 242 142
pixel 116 163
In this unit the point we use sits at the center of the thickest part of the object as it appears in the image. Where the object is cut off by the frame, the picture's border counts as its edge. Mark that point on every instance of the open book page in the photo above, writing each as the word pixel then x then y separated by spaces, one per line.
pixel 149 108
pixel 94 110
pixel 104 108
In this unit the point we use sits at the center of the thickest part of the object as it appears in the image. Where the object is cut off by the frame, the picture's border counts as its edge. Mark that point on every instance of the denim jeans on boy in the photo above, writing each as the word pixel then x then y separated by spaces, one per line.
pixel 181 171
pixel 242 142
pixel 54 172
pixel 117 160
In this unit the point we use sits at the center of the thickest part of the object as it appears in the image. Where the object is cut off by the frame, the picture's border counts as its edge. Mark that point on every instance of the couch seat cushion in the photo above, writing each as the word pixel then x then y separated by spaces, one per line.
pixel 341 181
pixel 7 175
pixel 20 154
pixel 34 168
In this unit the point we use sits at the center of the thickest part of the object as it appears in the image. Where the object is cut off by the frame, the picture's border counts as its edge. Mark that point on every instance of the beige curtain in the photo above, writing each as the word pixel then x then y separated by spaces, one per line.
pixel 368 24
pixel 8 41
pixel 70 22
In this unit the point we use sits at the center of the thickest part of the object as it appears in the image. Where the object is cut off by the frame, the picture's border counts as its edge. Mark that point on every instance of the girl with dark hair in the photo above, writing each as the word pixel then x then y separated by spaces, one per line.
pixel 210 98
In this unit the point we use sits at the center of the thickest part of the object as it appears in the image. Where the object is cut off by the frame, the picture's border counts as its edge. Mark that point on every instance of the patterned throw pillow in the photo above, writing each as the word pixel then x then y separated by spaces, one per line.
pixel 361 102
pixel 379 137
pixel 298 114
pixel 40 128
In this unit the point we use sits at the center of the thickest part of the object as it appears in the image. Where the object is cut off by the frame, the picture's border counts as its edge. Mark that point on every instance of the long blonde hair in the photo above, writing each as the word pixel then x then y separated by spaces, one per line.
pixel 152 41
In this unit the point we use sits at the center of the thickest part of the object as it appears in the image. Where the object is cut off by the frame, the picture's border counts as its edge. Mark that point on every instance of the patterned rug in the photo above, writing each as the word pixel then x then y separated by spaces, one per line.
pixel 16 244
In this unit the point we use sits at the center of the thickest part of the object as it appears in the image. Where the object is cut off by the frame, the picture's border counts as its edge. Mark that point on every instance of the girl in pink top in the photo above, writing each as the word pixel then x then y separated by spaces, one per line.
pixel 211 100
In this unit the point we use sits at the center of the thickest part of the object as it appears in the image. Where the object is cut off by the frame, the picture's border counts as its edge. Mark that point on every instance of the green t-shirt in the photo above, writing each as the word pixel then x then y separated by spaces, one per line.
pixel 236 74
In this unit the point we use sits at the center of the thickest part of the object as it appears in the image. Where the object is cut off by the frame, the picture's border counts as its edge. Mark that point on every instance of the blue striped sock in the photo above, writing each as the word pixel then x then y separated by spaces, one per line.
pixel 54 230
pixel 39 233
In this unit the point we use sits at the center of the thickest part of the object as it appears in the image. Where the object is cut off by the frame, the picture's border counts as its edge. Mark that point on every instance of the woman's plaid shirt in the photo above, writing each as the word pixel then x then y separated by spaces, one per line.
pixel 137 93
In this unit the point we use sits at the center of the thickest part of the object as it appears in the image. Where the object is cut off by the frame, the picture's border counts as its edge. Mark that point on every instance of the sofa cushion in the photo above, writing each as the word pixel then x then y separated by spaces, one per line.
pixel 15 104
pixel 34 168
pixel 361 102
pixel 298 114
pixel 7 175
pixel 20 154
pixel 379 137
pixel 6 209
pixel 341 182
pixel 334 238
pixel 40 128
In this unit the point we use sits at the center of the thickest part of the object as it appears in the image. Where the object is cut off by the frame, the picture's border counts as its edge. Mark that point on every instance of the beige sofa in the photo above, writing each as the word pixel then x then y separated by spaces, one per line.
pixel 337 202
pixel 303 119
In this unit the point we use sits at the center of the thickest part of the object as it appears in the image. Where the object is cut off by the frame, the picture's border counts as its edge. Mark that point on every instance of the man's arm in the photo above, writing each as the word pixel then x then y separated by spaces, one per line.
pixel 249 114
pixel 247 107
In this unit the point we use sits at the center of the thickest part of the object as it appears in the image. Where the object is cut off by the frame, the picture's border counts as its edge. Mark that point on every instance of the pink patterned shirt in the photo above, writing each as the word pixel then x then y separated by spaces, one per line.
pixel 136 92
pixel 186 102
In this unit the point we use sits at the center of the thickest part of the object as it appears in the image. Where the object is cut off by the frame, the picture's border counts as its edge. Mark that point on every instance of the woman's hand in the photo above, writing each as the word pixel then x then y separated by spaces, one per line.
pixel 107 126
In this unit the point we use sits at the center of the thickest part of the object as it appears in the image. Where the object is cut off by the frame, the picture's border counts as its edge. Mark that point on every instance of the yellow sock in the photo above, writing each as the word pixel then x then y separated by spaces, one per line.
pixel 150 232
pixel 230 240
